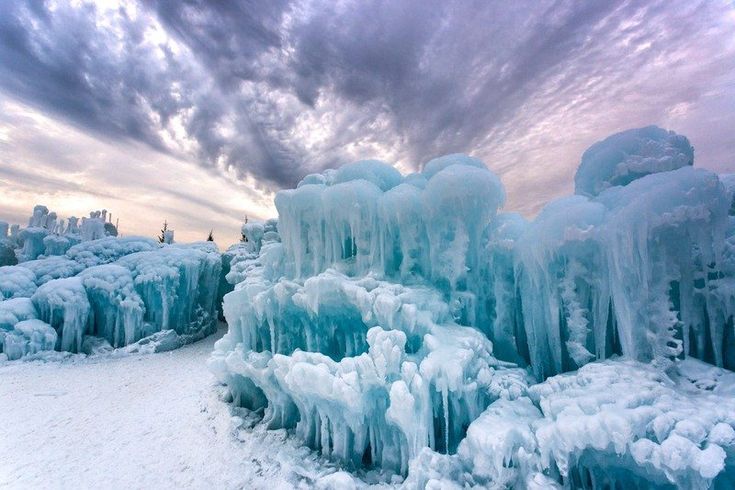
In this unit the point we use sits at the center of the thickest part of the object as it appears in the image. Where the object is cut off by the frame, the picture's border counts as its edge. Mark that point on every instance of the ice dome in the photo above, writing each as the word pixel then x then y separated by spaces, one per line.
pixel 432 167
pixel 379 173
pixel 624 157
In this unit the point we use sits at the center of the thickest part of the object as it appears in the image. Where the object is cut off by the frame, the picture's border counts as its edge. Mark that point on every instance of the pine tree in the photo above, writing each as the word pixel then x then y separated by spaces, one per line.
pixel 210 238
pixel 162 236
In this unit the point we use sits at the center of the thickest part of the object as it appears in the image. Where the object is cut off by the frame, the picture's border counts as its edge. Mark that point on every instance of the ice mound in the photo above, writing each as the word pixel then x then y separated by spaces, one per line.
pixel 116 308
pixel 13 311
pixel 401 322
pixel 17 282
pixel 624 157
pixel 32 240
pixel 366 369
pixel 58 244
pixel 313 304
pixel 178 286
pixel 7 246
pixel 436 165
pixel 379 173
pixel 640 270
pixel 29 337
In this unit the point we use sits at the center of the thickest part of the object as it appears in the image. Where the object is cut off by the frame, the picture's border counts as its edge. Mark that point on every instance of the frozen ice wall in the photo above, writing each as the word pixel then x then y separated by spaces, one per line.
pixel 401 322
pixel 364 218
pixel 111 292
pixel 641 270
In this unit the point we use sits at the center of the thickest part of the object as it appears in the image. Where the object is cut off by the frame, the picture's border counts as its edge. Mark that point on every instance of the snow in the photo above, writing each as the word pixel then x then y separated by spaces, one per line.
pixel 109 423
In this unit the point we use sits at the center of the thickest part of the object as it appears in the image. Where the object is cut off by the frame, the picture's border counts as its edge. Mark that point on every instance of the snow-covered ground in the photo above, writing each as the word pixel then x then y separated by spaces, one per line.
pixel 140 421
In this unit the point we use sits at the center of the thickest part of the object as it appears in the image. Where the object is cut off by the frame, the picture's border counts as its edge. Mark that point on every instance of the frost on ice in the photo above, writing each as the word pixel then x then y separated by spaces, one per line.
pixel 404 323
pixel 97 291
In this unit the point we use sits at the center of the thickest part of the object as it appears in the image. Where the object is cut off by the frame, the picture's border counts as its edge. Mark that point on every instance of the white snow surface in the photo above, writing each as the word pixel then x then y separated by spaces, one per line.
pixel 140 421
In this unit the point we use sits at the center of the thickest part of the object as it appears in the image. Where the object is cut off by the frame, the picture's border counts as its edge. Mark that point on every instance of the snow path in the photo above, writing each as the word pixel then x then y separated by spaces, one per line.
pixel 143 421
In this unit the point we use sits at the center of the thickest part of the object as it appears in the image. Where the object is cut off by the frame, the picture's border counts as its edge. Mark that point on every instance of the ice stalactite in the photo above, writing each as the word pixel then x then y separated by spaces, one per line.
pixel 178 286
pixel 116 308
pixel 663 239
pixel 560 272
pixel 63 304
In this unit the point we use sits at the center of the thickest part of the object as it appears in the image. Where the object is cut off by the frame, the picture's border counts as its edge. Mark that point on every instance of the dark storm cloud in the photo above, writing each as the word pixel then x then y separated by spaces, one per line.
pixel 446 72
pixel 229 36
pixel 251 82
pixel 62 62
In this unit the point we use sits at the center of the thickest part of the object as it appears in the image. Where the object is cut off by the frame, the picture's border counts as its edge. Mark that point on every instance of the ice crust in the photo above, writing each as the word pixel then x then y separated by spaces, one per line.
pixel 107 292
pixel 403 323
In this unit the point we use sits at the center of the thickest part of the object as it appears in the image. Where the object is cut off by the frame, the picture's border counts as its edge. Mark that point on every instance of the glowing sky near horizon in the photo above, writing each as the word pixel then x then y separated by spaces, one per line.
pixel 196 112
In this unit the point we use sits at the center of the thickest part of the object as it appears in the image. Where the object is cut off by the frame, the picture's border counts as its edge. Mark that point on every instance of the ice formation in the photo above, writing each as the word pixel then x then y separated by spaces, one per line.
pixel 103 292
pixel 28 337
pixel 612 424
pixel 630 155
pixel 403 323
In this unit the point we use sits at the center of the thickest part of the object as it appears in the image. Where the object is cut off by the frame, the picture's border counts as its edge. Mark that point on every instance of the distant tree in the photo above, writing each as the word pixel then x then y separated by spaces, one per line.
pixel 162 236
pixel 210 237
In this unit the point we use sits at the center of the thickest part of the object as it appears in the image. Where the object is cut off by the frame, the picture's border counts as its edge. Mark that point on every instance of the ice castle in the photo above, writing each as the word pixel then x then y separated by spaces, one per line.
pixel 404 323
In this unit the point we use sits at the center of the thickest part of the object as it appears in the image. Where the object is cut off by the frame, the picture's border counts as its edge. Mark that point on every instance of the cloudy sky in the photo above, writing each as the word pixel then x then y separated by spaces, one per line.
pixel 197 112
